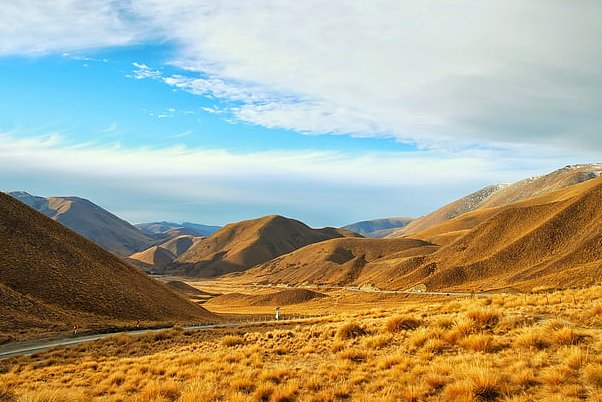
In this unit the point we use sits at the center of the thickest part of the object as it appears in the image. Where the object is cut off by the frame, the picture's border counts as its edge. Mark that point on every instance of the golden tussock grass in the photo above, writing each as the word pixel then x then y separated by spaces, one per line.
pixel 509 348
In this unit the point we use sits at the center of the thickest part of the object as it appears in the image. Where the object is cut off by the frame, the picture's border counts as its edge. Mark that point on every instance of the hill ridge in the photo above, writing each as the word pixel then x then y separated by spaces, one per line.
pixel 46 267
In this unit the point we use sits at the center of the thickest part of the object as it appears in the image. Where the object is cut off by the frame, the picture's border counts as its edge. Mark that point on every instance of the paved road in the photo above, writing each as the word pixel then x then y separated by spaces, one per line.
pixel 29 347
pixel 32 346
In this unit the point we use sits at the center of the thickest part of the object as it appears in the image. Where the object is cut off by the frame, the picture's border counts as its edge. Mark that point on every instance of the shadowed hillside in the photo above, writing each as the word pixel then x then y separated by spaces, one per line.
pixel 503 194
pixel 50 277
pixel 282 298
pixel 157 258
pixel 239 246
pixel 336 262
pixel 91 221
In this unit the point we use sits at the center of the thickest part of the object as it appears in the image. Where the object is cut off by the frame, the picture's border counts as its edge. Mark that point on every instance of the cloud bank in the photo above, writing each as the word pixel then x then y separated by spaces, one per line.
pixel 428 72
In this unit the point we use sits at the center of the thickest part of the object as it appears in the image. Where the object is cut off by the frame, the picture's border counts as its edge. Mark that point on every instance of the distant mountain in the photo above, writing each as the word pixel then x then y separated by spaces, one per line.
pixel 52 278
pixel 91 221
pixel 378 228
pixel 163 227
pixel 239 246
pixel 504 194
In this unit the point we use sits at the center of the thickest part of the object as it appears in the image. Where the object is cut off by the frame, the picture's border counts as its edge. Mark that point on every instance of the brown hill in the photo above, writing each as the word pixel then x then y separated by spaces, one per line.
pixel 50 276
pixel 190 292
pixel 552 240
pixel 239 246
pixel 282 298
pixel 155 258
pixel 91 221
pixel 179 245
pixel 503 194
pixel 336 262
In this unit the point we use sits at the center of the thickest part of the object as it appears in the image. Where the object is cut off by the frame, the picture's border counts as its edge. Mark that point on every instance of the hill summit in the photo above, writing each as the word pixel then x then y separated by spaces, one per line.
pixel 504 194
pixel 91 221
pixel 239 246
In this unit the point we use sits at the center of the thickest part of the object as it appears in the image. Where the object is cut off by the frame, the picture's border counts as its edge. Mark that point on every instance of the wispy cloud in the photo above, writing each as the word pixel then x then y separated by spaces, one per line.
pixel 182 134
pixel 112 128
pixel 62 26
pixel 302 184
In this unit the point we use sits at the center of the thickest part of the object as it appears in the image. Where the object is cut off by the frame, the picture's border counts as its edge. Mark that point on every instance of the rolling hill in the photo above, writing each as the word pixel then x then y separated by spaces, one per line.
pixel 91 221
pixel 378 228
pixel 335 262
pixel 156 258
pixel 503 194
pixel 239 246
pixel 51 278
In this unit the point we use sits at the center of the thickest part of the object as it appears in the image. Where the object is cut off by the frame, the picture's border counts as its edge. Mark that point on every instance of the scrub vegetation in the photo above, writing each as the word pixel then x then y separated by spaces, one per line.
pixel 522 347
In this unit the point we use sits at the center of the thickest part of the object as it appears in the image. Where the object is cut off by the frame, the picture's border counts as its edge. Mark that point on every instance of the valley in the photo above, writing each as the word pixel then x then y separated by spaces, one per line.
pixel 494 297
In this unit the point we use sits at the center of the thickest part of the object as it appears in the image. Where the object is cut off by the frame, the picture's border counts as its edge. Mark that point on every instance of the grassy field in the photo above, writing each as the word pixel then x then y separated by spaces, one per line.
pixel 545 346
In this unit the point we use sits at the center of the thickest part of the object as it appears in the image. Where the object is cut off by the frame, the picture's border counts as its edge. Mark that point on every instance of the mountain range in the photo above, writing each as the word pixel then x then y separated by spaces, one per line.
pixel 541 231
pixel 166 227
pixel 552 239
pixel 239 246
pixel 378 228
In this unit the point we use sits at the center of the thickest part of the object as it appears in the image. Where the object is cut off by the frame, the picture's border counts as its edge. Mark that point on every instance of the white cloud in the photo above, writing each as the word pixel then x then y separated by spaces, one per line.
pixel 144 71
pixel 61 26
pixel 429 71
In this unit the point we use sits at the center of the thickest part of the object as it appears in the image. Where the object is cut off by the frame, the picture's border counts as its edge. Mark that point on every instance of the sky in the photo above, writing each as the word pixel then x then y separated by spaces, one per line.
pixel 326 111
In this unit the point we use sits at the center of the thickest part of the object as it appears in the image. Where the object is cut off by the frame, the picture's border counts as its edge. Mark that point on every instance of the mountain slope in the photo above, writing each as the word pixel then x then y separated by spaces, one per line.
pixel 50 276
pixel 335 262
pixel 378 228
pixel 554 240
pixel 239 246
pixel 504 194
pixel 157 258
pixel 91 221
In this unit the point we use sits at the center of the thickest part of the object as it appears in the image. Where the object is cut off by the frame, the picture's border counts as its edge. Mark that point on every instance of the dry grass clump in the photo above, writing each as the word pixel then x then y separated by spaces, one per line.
pixel 481 343
pixel 6 393
pixel 402 323
pixel 532 338
pixel 354 355
pixel 485 317
pixel 233 340
pixel 349 331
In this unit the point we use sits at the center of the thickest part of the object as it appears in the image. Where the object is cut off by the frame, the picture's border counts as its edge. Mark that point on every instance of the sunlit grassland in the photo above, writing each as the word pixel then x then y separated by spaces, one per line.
pixel 544 346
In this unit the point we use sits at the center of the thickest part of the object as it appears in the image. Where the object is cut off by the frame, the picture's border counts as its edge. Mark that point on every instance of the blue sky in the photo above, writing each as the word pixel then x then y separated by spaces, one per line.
pixel 325 111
